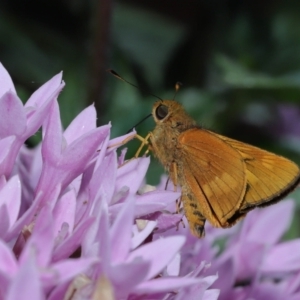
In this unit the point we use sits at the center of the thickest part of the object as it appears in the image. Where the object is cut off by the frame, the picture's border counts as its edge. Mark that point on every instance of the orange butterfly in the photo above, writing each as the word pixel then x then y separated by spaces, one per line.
pixel 221 179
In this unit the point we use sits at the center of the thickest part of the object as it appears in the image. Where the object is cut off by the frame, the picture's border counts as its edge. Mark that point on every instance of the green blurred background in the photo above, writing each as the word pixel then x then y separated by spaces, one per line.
pixel 239 62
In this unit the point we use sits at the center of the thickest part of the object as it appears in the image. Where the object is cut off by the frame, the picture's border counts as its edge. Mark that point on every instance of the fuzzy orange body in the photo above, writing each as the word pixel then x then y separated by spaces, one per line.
pixel 221 178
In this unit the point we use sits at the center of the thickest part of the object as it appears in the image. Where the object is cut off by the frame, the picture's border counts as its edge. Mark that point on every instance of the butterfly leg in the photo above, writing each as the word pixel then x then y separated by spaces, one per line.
pixel 173 172
pixel 145 141
pixel 178 211
pixel 178 202
pixel 125 141
pixel 167 182
pixel 174 175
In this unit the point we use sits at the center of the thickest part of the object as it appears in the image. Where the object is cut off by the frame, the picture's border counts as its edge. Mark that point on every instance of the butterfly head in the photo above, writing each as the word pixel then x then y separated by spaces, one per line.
pixel 172 113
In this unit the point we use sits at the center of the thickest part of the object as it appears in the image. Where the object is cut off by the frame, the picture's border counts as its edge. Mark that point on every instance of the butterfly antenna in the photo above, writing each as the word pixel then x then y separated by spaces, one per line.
pixel 178 85
pixel 121 78
pixel 139 123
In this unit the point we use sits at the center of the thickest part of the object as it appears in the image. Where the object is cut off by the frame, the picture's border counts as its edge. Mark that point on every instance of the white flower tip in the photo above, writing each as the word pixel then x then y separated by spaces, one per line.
pixel 103 290
pixel 146 188
pixel 141 224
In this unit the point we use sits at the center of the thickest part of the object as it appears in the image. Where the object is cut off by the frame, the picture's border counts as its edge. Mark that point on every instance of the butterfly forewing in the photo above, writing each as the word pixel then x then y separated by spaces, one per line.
pixel 269 177
pixel 215 174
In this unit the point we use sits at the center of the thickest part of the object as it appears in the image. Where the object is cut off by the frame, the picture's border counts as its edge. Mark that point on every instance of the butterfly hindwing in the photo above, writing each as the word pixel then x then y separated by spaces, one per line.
pixel 215 174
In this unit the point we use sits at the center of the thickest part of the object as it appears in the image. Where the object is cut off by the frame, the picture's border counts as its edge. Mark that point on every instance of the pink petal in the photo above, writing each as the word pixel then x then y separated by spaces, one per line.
pixel 140 236
pixel 198 290
pixel 11 196
pixel 117 142
pixel 36 164
pixel 59 292
pixel 26 283
pixel 167 221
pixel 4 220
pixel 248 258
pixel 265 290
pixel 283 258
pixel 104 242
pixel 292 284
pixel 64 168
pixel 102 183
pixel 64 211
pixel 102 152
pixel 52 142
pixel 173 267
pixel 263 226
pixel 43 93
pixel 148 203
pixel 160 285
pixel 68 246
pixel 126 276
pixel 295 296
pixel 25 219
pixel 121 232
pixel 13 120
pixel 4 284
pixel 121 158
pixel 37 116
pixel 82 150
pixel 41 239
pixel 82 124
pixel 8 263
pixel 132 174
pixel 141 209
pixel 159 252
pixel 6 83
pixel 90 245
pixel 2 181
pixel 66 270
pixel 226 276
pixel 5 145
pixel 165 197
pixel 212 294
pixel 83 207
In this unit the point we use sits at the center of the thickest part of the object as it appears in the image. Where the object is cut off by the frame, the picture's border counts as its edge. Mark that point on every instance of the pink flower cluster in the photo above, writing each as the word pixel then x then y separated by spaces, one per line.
pixel 78 222
pixel 68 208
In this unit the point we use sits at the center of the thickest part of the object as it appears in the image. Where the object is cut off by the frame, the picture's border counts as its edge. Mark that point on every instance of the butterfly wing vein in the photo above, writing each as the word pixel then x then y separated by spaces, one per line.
pixel 214 173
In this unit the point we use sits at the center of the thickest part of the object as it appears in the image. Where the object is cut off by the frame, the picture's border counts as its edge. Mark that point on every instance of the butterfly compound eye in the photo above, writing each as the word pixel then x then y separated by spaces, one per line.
pixel 161 112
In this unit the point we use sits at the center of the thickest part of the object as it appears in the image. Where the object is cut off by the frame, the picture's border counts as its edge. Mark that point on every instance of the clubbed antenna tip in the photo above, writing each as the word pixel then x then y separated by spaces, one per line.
pixel 178 85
